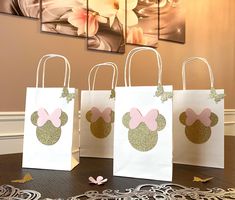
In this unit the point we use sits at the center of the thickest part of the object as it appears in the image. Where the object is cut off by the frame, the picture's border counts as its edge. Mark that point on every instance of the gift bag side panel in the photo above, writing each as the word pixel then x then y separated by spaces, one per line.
pixel 75 139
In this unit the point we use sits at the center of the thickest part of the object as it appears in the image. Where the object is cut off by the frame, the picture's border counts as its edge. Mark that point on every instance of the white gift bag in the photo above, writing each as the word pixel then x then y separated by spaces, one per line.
pixel 143 127
pixel 51 124
pixel 199 124
pixel 97 116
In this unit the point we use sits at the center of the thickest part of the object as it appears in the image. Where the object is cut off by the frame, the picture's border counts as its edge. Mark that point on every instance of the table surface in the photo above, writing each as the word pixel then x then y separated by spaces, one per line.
pixel 55 184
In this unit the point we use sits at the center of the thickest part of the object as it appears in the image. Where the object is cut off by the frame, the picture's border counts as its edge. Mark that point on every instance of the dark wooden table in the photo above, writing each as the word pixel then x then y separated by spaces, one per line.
pixel 55 184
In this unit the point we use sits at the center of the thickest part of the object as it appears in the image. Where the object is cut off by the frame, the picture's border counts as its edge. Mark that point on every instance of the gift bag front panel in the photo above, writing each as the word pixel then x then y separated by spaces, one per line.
pixel 39 151
pixel 96 135
pixel 195 142
pixel 153 158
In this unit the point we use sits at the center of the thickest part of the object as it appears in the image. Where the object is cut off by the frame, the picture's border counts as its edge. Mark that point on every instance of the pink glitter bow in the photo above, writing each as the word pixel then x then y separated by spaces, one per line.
pixel 149 119
pixel 203 117
pixel 43 117
pixel 96 114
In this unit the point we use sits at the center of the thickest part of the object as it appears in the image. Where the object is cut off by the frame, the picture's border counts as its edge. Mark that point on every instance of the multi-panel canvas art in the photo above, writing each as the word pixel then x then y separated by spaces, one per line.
pixel 172 20
pixel 24 8
pixel 142 22
pixel 66 17
pixel 107 24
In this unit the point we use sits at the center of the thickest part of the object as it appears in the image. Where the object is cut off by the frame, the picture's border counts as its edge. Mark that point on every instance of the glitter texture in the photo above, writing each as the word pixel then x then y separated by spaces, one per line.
pixel 198 133
pixel 48 134
pixel 141 138
pixel 100 128
pixel 161 122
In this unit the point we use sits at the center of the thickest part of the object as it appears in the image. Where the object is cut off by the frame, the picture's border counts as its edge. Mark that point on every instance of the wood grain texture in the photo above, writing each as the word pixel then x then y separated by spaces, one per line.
pixel 55 184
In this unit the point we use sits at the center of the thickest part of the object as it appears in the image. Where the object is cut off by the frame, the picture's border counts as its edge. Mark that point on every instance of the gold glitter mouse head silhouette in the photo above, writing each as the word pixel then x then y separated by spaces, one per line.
pixel 143 130
pixel 198 127
pixel 100 122
pixel 48 129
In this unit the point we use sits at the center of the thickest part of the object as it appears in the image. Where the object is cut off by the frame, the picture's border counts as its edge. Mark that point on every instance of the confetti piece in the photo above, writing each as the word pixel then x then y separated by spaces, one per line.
pixel 99 180
pixel 27 177
pixel 198 179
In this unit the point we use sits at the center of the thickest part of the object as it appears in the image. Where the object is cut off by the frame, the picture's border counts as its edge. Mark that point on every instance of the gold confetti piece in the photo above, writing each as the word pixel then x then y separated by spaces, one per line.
pixel 203 180
pixel 27 177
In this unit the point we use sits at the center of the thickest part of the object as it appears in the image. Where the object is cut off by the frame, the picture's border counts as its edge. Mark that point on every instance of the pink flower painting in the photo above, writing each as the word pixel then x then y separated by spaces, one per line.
pixel 110 35
pixel 78 18
pixel 64 17
pixel 145 30
pixel 108 25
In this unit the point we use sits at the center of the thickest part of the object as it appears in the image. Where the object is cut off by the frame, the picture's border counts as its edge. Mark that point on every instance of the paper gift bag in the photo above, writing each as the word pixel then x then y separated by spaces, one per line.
pixel 97 116
pixel 143 127
pixel 51 123
pixel 199 124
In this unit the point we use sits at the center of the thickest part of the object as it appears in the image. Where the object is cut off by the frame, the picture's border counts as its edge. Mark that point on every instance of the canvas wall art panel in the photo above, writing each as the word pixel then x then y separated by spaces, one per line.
pixel 106 24
pixel 142 23
pixel 172 20
pixel 67 17
pixel 24 8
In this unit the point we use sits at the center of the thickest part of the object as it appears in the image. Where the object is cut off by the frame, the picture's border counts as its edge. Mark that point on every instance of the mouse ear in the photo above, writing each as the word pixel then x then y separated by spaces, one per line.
pixel 34 118
pixel 112 116
pixel 126 119
pixel 214 119
pixel 63 118
pixel 88 116
pixel 182 118
pixel 161 122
